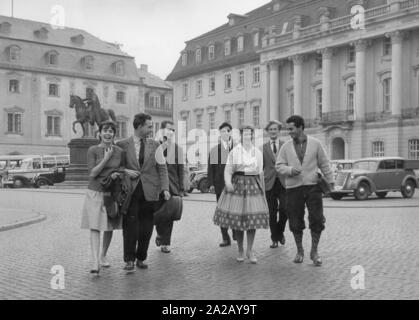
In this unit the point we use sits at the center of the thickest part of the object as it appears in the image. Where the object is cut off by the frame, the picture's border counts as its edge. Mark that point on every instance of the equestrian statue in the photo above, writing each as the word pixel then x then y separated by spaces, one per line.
pixel 89 111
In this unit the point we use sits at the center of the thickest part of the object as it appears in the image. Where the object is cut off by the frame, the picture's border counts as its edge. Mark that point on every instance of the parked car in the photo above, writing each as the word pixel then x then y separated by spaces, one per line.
pixel 379 175
pixel 198 180
pixel 38 171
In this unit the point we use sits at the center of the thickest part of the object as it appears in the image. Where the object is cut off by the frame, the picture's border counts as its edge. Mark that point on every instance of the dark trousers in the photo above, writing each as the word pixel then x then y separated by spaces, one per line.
pixel 164 232
pixel 297 199
pixel 276 198
pixel 224 231
pixel 138 226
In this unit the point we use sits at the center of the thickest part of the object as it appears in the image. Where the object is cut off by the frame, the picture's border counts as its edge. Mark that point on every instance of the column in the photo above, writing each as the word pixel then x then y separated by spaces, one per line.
pixel 298 84
pixel 396 72
pixel 327 54
pixel 274 90
pixel 360 75
pixel 264 84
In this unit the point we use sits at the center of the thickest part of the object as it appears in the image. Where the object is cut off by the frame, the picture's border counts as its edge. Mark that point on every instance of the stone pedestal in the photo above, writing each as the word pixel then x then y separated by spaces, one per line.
pixel 76 175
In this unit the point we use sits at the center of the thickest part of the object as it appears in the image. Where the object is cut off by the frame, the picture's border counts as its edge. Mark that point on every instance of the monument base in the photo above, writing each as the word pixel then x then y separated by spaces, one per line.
pixel 76 175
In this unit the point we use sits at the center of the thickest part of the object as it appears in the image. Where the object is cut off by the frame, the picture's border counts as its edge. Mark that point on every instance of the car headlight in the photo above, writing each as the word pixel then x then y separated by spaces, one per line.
pixel 352 177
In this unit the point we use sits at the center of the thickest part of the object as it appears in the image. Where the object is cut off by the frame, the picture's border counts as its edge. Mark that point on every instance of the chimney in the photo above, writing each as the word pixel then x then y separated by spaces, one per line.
pixel 144 67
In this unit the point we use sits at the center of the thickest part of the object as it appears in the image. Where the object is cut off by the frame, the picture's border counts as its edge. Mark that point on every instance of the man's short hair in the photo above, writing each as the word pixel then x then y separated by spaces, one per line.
pixel 164 123
pixel 297 120
pixel 140 119
pixel 279 124
pixel 225 124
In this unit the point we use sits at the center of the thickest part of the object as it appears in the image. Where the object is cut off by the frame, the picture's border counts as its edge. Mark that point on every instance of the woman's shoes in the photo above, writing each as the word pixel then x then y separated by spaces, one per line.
pixel 240 259
pixel 252 258
pixel 104 263
pixel 165 249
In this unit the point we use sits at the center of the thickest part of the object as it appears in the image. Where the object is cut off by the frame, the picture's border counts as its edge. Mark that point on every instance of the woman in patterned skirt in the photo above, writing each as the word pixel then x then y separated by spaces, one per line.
pixel 102 161
pixel 242 205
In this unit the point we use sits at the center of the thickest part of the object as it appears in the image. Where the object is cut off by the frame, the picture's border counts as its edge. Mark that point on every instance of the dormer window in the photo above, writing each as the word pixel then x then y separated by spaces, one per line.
pixel 14 53
pixel 41 33
pixel 5 27
pixel 79 39
pixel 87 63
pixel 198 55
pixel 52 58
pixel 119 68
pixel 184 59
pixel 211 52
pixel 240 43
pixel 227 47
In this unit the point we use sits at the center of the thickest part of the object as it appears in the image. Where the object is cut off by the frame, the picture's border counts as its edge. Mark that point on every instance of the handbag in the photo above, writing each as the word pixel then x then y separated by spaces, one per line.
pixel 111 206
pixel 170 210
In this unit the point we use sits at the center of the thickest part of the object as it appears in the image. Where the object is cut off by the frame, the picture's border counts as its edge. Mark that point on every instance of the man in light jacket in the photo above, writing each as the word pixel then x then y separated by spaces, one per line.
pixel 299 160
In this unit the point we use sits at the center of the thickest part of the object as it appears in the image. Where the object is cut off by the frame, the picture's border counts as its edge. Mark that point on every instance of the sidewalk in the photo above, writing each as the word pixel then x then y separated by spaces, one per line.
pixel 14 218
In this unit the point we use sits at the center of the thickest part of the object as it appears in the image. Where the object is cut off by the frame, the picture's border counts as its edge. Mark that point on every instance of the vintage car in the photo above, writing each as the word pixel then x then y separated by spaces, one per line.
pixel 198 180
pixel 37 171
pixel 377 175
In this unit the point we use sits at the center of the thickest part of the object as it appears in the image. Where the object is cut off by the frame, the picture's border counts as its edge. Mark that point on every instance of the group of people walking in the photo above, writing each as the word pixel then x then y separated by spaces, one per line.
pixel 254 188
pixel 141 166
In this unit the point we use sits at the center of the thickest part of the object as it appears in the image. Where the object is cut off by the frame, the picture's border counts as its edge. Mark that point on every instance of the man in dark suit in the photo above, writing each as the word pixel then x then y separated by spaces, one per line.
pixel 146 166
pixel 175 167
pixel 216 164
pixel 274 184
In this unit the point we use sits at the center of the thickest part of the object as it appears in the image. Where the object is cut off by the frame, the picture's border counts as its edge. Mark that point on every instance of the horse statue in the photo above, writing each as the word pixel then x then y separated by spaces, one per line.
pixel 83 113
pixel 99 114
pixel 89 111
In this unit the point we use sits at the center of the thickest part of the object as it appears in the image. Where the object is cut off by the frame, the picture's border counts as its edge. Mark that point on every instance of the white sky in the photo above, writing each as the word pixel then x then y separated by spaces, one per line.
pixel 153 31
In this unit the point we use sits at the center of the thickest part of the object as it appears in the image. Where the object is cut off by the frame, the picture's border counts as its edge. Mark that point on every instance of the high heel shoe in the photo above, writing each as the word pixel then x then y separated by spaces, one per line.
pixel 95 272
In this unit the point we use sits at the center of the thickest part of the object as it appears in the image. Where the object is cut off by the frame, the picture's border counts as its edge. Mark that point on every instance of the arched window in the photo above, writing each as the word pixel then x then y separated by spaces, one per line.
pixel 52 58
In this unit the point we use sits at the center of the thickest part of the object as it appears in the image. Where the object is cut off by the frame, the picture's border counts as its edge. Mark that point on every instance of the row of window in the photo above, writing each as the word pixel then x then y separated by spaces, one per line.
pixel 52 59
pixel 227 118
pixel 54 91
pixel 14 126
pixel 386 51
pixel 413 149
pixel 228 44
pixel 350 98
pixel 227 83
pixel 159 101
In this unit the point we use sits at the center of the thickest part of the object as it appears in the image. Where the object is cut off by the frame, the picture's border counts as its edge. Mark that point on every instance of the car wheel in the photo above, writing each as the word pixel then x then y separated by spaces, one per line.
pixel 18 183
pixel 381 195
pixel 336 196
pixel 408 190
pixel 41 182
pixel 362 191
pixel 203 186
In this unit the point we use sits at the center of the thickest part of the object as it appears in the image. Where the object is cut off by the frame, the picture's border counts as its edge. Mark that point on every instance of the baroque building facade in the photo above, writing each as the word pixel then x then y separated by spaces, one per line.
pixel 158 97
pixel 40 66
pixel 350 68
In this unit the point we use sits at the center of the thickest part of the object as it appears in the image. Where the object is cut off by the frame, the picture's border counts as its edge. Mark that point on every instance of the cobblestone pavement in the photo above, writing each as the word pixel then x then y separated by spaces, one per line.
pixel 382 238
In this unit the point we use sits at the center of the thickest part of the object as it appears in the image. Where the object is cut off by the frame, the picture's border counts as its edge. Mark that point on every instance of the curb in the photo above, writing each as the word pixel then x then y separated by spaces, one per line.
pixel 41 217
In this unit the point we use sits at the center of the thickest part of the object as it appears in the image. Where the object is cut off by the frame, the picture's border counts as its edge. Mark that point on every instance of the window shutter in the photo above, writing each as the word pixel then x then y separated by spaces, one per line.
pixel 162 101
pixel 147 99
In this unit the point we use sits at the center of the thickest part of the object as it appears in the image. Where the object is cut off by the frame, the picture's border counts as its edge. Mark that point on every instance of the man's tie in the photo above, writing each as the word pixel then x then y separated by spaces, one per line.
pixel 274 147
pixel 141 154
